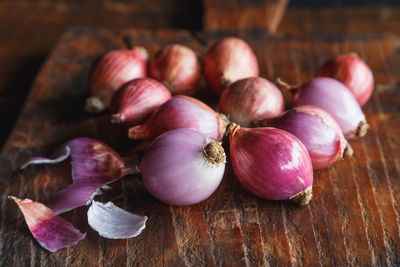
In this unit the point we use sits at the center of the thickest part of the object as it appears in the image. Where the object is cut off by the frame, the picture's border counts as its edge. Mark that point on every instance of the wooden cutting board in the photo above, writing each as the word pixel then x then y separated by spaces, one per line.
pixel 353 218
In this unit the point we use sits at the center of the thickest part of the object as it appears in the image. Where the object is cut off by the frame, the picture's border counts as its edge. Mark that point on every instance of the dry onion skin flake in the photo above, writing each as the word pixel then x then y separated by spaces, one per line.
pixel 94 165
pixel 51 231
pixel 112 222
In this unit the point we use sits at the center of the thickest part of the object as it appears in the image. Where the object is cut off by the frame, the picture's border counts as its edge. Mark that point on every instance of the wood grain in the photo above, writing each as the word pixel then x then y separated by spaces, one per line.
pixel 243 15
pixel 341 20
pixel 353 218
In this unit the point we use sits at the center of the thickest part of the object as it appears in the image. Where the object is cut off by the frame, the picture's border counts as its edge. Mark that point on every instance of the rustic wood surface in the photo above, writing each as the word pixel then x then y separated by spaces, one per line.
pixel 341 20
pixel 29 29
pixel 353 218
pixel 242 15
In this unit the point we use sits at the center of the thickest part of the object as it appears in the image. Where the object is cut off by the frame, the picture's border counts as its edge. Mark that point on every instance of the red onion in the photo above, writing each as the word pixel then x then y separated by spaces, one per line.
pixel 183 167
pixel 251 99
pixel 353 72
pixel 271 163
pixel 178 67
pixel 227 61
pixel 109 72
pixel 317 130
pixel 181 112
pixel 333 97
pixel 134 103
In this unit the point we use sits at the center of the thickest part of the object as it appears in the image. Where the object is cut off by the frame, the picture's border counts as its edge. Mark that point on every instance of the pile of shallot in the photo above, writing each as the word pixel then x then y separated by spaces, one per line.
pixel 273 151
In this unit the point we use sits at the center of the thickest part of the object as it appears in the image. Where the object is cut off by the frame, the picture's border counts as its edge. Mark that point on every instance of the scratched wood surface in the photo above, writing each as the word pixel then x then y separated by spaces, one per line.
pixel 353 218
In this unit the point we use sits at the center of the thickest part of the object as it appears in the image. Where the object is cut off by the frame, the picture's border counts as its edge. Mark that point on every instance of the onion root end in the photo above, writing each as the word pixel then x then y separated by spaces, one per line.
pixel 94 105
pixel 303 197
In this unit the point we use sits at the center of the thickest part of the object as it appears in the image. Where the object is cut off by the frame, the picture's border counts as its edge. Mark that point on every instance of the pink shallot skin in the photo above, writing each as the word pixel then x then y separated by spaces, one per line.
pixel 134 103
pixel 178 67
pixel 353 72
pixel 51 231
pixel 176 170
pixel 316 129
pixel 335 98
pixel 181 112
pixel 251 99
pixel 227 61
pixel 94 165
pixel 109 72
pixel 270 163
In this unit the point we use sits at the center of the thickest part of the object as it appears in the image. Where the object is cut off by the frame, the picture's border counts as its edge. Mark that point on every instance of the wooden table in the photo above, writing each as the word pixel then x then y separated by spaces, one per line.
pixel 353 218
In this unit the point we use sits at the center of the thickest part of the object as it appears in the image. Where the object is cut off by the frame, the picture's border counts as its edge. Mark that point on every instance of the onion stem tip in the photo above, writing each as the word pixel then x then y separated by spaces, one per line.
pixel 362 129
pixel 225 81
pixel 117 118
pixel 230 128
pixel 303 197
pixel 348 151
pixel 94 105
pixel 284 84
pixel 13 198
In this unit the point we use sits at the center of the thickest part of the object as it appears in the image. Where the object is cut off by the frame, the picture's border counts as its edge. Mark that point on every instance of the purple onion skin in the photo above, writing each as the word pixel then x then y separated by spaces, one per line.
pixel 270 163
pixel 51 231
pixel 94 164
pixel 333 97
pixel 317 130
pixel 134 103
pixel 181 112
pixel 353 72
pixel 175 170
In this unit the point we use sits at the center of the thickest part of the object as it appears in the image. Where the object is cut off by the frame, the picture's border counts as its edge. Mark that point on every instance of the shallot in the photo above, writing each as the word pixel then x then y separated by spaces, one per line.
pixel 134 103
pixel 183 167
pixel 181 112
pixel 317 130
pixel 353 72
pixel 109 72
pixel 227 61
pixel 271 163
pixel 251 99
pixel 335 98
pixel 178 67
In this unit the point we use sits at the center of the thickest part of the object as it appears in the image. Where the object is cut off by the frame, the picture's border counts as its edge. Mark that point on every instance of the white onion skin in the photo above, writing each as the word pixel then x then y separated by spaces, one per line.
pixel 178 67
pixel 227 61
pixel 251 99
pixel 353 72
pixel 270 163
pixel 175 170
pixel 136 101
pixel 335 98
pixel 181 112
pixel 111 71
pixel 316 129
